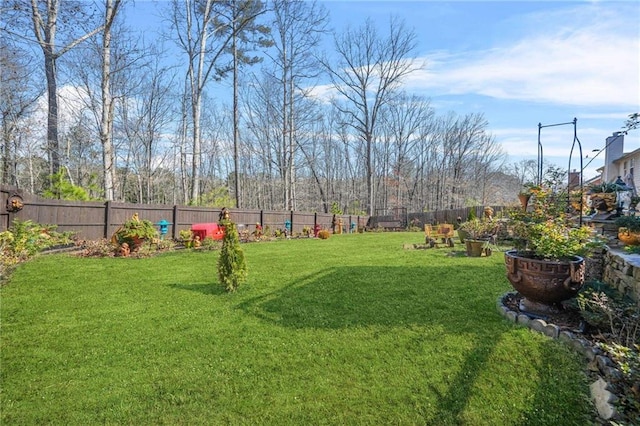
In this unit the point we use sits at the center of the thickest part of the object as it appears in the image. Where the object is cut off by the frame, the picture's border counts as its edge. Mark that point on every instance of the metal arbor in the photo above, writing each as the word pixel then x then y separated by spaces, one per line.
pixel 573 145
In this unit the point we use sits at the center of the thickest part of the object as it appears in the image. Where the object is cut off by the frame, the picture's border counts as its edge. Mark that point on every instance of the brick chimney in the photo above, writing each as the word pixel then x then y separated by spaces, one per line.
pixel 613 150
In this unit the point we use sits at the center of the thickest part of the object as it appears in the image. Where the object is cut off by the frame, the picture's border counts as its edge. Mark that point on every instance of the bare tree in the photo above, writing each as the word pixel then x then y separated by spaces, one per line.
pixel 246 33
pixel 297 29
pixel 403 119
pixel 204 36
pixel 370 68
pixel 18 95
pixel 44 17
pixel 111 8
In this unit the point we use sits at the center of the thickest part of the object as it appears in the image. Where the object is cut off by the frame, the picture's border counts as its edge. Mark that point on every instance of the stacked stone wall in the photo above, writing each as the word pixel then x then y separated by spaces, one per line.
pixel 622 271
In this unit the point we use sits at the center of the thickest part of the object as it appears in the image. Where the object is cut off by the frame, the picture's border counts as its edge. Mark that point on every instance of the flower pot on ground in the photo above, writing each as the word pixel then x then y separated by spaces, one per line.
pixel 628 230
pixel 134 232
pixel 476 234
pixel 474 247
pixel 544 283
pixel 549 269
pixel 602 196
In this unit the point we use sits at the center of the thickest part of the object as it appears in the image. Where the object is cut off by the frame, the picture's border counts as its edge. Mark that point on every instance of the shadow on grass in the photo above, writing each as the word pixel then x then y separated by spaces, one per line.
pixel 461 301
pixel 369 295
pixel 451 405
pixel 214 289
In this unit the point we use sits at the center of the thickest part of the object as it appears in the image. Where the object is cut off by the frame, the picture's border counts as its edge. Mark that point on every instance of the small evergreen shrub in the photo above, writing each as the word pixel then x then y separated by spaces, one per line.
pixel 232 267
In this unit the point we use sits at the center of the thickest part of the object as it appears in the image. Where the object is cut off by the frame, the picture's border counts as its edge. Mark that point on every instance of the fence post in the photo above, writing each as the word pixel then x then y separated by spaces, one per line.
pixel 107 218
pixel 174 219
pixel 291 219
pixel 262 218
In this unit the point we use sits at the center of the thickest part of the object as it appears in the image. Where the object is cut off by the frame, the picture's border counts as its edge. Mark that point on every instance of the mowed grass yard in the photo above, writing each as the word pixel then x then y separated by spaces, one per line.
pixel 353 330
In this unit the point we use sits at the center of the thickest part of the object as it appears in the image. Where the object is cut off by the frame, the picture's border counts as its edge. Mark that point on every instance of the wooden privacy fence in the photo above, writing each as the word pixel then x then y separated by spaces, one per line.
pixel 94 220
pixel 403 220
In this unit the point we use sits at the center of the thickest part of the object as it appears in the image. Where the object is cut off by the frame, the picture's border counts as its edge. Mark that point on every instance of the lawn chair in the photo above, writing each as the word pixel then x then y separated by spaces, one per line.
pixel 439 234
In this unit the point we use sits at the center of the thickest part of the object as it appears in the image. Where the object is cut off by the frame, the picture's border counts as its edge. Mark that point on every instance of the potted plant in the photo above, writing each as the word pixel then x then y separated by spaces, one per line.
pixel 528 189
pixel 476 234
pixel 186 236
pixel 548 267
pixel 134 232
pixel 628 230
pixel 603 196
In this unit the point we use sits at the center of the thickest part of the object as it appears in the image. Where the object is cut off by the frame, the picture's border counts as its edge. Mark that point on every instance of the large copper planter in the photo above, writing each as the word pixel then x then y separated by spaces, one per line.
pixel 544 284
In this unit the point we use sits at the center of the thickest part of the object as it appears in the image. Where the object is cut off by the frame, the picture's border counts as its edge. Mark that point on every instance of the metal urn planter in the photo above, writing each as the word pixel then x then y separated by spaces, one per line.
pixel 544 284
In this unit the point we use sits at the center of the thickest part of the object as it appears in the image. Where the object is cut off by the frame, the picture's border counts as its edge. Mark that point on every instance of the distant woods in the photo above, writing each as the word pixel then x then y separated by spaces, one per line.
pixel 237 103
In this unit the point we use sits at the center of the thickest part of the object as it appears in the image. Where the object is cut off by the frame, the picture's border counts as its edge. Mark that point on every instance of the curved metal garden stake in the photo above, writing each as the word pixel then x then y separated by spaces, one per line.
pixel 575 139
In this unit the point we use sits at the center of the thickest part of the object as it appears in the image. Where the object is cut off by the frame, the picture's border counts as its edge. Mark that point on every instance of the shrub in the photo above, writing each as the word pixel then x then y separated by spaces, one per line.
pixel 632 223
pixel 24 239
pixel 134 231
pixel 232 267
pixel 324 234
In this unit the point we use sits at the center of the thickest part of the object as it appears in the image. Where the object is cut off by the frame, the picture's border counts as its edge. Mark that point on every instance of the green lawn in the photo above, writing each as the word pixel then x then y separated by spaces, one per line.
pixel 348 331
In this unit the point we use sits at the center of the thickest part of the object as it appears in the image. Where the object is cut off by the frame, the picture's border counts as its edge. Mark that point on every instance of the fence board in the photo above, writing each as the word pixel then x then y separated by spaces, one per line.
pixel 93 220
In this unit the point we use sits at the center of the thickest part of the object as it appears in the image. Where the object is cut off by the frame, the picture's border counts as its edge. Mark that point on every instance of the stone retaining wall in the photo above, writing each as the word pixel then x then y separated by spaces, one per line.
pixel 622 271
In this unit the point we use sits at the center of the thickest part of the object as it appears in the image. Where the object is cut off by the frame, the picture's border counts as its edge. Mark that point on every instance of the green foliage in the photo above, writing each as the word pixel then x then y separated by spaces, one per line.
pixel 472 214
pixel 232 267
pixel 134 231
pixel 62 189
pixel 632 223
pixel 546 231
pixel 554 240
pixel 217 197
pixel 478 228
pixel 618 318
pixel 26 238
pixel 615 315
pixel 632 249
pixel 355 209
pixel 606 187
pixel 335 208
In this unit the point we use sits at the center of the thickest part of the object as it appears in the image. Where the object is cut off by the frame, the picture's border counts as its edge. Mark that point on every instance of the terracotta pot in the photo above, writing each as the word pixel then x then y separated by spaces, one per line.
pixel 628 238
pixel 544 284
pixel 604 201
pixel 474 248
pixel 524 200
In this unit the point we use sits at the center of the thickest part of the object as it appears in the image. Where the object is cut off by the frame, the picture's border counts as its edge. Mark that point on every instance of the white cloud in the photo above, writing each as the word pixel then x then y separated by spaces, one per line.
pixel 585 56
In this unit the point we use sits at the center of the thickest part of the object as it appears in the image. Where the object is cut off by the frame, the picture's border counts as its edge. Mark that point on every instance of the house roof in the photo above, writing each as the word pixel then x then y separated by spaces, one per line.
pixel 628 155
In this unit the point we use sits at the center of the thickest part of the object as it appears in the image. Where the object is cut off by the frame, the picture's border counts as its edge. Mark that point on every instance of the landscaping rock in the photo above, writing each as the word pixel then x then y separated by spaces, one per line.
pixel 538 325
pixel 603 399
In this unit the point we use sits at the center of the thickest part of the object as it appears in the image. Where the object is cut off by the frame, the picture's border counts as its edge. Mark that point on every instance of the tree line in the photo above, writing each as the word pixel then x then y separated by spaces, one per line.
pixel 224 107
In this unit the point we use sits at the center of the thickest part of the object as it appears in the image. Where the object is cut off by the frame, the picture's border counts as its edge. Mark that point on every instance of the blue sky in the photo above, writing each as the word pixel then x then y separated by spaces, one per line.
pixel 520 63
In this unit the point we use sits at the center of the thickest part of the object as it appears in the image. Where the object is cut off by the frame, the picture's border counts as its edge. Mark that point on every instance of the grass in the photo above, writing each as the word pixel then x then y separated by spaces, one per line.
pixel 351 330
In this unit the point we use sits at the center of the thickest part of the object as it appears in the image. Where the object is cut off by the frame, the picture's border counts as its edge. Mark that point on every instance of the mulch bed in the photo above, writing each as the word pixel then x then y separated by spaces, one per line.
pixel 567 318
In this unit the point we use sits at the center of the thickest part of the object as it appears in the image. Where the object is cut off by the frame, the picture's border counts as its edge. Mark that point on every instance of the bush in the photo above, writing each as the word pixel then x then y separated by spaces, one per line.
pixel 324 234
pixel 134 231
pixel 24 239
pixel 618 321
pixel 232 267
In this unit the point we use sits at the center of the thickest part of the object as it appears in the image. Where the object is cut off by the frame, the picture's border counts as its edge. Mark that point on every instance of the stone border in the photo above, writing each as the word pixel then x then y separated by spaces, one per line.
pixel 601 394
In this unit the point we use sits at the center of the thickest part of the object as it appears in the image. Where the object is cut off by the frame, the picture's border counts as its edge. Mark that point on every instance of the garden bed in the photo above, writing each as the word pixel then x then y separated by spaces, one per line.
pixel 615 394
